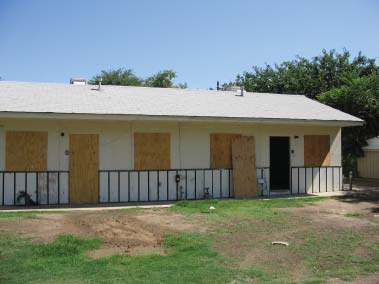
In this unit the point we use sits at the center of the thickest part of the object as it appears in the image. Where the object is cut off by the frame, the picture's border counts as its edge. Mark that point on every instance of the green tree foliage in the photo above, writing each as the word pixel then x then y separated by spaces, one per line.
pixel 126 77
pixel 308 77
pixel 162 79
pixel 336 79
pixel 359 98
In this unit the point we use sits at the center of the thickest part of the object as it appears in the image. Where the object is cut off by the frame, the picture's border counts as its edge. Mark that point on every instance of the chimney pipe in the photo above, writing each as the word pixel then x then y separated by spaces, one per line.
pixel 99 82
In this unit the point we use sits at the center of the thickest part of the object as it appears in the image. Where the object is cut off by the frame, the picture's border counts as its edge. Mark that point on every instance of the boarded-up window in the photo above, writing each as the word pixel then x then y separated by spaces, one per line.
pixel 316 150
pixel 221 149
pixel 26 151
pixel 152 151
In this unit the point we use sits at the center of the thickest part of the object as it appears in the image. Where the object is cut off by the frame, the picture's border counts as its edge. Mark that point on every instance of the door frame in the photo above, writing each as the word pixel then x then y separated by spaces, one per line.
pixel 289 162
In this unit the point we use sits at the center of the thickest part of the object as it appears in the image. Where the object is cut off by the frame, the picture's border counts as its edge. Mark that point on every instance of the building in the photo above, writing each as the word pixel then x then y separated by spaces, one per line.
pixel 368 165
pixel 67 143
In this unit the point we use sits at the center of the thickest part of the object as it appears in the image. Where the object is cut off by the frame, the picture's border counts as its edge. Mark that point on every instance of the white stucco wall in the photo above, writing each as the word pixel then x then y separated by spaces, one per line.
pixel 190 143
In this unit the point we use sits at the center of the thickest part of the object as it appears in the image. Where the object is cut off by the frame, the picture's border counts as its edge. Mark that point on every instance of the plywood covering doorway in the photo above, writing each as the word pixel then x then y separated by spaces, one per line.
pixel 84 166
pixel 244 169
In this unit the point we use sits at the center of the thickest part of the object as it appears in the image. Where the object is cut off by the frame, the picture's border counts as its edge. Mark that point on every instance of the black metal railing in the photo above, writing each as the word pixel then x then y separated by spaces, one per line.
pixel 117 186
pixel 52 187
pixel 305 180
pixel 164 185
pixel 34 188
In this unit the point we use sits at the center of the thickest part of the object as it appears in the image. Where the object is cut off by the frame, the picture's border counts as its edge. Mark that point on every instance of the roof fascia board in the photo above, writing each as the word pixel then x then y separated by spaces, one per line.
pixel 134 117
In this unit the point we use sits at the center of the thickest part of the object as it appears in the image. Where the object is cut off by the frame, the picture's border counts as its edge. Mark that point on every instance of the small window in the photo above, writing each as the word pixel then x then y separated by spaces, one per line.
pixel 221 150
pixel 316 150
pixel 26 151
pixel 152 151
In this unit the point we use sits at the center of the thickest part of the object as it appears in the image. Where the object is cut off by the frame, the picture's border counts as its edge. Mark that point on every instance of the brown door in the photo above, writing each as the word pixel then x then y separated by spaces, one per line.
pixel 84 166
pixel 244 171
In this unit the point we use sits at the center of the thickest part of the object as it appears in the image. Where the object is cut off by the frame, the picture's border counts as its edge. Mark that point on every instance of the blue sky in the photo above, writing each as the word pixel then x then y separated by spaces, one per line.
pixel 203 41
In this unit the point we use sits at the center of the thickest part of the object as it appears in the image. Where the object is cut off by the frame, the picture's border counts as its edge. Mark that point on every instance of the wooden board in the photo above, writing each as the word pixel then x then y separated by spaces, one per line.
pixel 221 150
pixel 152 151
pixel 26 151
pixel 316 150
pixel 244 170
pixel 84 166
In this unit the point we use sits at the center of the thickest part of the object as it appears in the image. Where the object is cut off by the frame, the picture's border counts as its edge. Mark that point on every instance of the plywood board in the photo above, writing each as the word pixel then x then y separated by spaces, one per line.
pixel 316 150
pixel 244 170
pixel 152 151
pixel 84 167
pixel 26 151
pixel 221 150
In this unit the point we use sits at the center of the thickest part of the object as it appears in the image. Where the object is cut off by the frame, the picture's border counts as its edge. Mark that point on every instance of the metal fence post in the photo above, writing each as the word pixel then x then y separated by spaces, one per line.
pixel 350 180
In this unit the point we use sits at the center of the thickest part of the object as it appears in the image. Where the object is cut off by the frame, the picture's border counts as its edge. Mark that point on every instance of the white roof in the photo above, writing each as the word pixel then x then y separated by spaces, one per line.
pixel 372 144
pixel 47 100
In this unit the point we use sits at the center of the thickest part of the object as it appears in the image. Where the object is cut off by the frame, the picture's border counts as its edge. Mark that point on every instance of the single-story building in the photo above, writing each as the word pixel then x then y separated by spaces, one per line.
pixel 368 165
pixel 63 143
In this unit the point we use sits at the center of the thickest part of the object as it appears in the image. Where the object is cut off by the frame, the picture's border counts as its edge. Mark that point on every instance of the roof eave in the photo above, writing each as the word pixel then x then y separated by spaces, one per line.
pixel 134 117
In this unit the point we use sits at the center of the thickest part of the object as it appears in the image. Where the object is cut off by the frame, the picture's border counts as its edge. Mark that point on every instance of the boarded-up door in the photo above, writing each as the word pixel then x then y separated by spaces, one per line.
pixel 316 150
pixel 84 166
pixel 26 151
pixel 244 171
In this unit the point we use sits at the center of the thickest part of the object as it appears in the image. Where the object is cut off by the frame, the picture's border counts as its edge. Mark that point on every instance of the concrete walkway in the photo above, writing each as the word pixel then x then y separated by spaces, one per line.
pixel 94 207
pixel 145 205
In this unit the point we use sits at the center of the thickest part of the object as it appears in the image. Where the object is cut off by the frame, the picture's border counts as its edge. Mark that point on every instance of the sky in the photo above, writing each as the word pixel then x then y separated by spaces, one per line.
pixel 204 41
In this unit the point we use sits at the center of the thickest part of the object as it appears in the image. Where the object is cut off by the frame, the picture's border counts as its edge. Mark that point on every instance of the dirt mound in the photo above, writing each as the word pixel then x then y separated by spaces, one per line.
pixel 121 231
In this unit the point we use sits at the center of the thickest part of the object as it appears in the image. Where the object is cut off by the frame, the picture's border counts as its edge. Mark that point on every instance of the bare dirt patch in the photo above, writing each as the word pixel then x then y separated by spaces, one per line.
pixel 367 279
pixel 122 232
pixel 332 213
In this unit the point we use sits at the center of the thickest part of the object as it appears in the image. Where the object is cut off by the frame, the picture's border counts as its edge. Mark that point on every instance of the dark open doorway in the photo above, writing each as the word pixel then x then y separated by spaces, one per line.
pixel 279 163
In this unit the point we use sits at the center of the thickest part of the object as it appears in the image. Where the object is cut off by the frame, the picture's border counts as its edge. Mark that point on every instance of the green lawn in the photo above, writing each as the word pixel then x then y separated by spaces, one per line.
pixel 203 257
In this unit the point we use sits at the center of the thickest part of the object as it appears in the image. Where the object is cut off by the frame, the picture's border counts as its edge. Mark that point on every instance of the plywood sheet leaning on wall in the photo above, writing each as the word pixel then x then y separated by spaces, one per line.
pixel 221 150
pixel 152 151
pixel 84 167
pixel 244 170
pixel 26 151
pixel 316 150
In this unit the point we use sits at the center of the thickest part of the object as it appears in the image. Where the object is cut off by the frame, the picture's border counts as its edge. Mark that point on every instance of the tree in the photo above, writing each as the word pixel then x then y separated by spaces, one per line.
pixel 308 77
pixel 350 85
pixel 162 79
pixel 124 77
pixel 359 98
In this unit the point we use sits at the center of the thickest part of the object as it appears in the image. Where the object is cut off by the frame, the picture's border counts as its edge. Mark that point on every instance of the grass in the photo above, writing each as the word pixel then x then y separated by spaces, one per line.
pixel 205 257
pixel 354 214
pixel 260 208
pixel 26 214
pixel 189 260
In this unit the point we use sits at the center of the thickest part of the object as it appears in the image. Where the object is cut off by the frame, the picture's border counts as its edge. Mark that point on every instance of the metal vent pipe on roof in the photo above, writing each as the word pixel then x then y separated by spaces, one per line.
pixel 99 82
